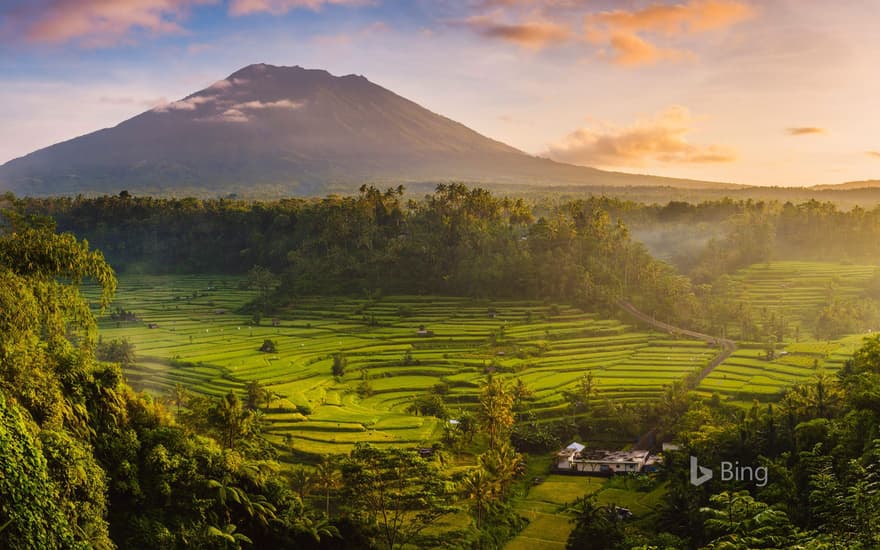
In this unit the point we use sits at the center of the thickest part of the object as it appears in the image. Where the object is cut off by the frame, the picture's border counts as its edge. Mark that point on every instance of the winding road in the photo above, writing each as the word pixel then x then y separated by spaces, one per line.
pixel 648 440
pixel 727 346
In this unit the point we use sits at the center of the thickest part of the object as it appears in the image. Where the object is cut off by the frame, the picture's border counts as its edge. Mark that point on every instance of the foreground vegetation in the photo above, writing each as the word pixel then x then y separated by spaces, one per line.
pixel 394 375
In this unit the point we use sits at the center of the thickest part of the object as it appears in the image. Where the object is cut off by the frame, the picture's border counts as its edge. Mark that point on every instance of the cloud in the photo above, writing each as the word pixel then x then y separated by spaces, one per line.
pixel 875 154
pixel 280 7
pixel 281 104
pixel 189 104
pixel 804 130
pixel 239 111
pixel 229 115
pixel 629 49
pixel 220 85
pixel 530 34
pixel 662 138
pixel 623 32
pixel 98 23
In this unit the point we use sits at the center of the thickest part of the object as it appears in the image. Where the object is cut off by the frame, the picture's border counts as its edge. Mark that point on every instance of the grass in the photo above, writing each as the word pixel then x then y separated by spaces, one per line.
pixel 546 502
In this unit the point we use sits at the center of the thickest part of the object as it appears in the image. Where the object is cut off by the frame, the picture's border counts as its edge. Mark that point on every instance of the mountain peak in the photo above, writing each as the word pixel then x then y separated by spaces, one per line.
pixel 291 129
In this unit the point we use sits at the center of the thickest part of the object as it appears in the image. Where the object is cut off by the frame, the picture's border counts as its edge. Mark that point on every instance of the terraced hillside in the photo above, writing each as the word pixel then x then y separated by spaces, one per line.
pixel 747 374
pixel 199 340
pixel 797 290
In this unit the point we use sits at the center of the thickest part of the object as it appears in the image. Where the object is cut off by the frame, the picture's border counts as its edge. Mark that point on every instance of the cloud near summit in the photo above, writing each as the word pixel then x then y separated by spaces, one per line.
pixel 661 138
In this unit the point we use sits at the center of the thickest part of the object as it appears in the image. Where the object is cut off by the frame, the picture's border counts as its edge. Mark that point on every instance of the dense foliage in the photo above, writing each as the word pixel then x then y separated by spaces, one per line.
pixel 820 446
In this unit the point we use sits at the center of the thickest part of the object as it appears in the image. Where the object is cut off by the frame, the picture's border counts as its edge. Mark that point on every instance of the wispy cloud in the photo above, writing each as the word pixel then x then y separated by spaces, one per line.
pixel 805 130
pixel 227 115
pixel 630 49
pixel 280 104
pixel 243 112
pixel 280 7
pixel 627 37
pixel 875 154
pixel 189 104
pixel 662 138
pixel 530 34
pixel 624 37
pixel 99 23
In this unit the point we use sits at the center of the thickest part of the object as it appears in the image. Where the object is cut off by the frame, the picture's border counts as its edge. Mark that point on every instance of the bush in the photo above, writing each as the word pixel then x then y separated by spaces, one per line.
pixel 268 346
pixel 339 364
pixel 304 410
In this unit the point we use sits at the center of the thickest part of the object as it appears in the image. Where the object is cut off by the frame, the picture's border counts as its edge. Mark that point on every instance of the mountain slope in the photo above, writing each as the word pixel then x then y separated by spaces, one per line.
pixel 850 185
pixel 288 130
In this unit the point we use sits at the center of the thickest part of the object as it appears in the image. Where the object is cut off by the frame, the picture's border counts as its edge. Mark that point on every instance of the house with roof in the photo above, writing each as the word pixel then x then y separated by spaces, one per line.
pixel 577 458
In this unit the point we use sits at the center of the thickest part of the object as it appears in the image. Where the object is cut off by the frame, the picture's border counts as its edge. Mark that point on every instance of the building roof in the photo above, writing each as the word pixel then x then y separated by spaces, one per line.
pixel 619 457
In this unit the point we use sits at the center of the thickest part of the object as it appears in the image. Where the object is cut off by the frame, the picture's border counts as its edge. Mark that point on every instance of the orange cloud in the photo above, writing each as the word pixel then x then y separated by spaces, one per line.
pixel 804 130
pixel 279 7
pixel 529 34
pixel 875 154
pixel 662 138
pixel 100 22
pixel 630 49
pixel 623 32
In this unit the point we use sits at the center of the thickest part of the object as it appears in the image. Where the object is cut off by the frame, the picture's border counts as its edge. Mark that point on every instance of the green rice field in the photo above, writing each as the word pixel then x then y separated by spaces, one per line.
pixel 747 375
pixel 201 341
pixel 546 503
pixel 798 290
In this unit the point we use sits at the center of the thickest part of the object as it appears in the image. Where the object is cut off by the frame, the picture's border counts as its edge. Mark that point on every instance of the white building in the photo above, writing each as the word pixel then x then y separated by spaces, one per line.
pixel 576 458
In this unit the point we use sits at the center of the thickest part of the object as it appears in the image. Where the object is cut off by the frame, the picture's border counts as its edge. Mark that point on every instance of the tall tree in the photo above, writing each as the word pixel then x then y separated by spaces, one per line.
pixel 395 492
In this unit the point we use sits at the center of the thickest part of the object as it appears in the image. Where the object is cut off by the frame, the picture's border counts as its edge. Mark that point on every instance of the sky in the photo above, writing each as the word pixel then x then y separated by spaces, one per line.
pixel 775 92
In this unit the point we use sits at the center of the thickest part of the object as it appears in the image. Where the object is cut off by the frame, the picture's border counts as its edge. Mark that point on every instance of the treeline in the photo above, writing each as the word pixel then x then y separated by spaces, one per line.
pixel 457 241
pixel 741 233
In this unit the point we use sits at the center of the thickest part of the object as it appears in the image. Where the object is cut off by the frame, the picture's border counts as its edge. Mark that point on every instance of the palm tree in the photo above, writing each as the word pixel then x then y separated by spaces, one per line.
pixel 496 409
pixel 327 475
pixel 302 482
pixel 502 465
pixel 477 486
pixel 178 396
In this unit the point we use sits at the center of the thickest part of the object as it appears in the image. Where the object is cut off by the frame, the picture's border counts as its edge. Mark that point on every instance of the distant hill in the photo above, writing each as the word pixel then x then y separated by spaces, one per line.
pixel 864 184
pixel 268 130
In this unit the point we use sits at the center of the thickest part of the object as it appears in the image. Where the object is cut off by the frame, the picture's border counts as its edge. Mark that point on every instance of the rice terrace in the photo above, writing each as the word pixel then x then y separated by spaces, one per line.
pixel 200 341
